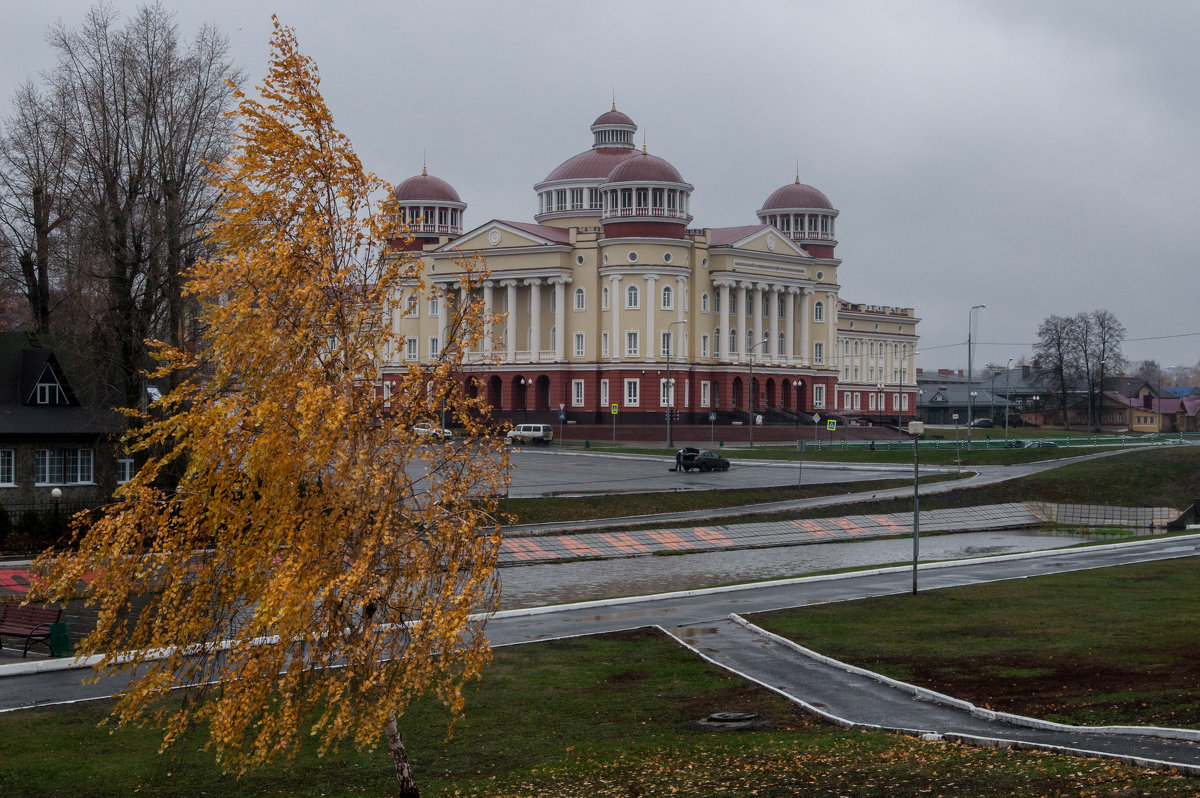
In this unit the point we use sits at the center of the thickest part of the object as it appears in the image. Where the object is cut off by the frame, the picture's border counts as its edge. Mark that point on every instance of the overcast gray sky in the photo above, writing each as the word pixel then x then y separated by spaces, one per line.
pixel 1039 157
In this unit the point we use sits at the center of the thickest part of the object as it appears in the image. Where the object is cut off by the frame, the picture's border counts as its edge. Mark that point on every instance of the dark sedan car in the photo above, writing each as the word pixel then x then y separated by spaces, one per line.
pixel 702 459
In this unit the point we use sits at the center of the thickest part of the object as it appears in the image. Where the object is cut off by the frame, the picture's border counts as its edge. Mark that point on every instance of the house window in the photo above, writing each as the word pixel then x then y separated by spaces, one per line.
pixel 779 345
pixel 782 307
pixel 705 393
pixel 435 306
pixel 603 393
pixel 632 393
pixel 410 310
pixel 632 298
pixel 49 392
pixel 732 341
pixel 8 475
pixel 125 470
pixel 410 348
pixel 577 393
pixel 716 303
pixel 578 344
pixel 819 353
pixel 604 298
pixel 717 342
pixel 904 401
pixel 704 302
pixel 704 345
pixel 435 348
pixel 665 398
pixel 871 401
pixel 818 396
pixel 579 299
pixel 63 467
pixel 668 298
pixel 818 311
pixel 603 344
pixel 857 401
pixel 666 344
pixel 631 343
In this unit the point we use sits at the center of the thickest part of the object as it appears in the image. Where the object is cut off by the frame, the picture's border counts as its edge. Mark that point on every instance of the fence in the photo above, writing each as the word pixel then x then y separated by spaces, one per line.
pixel 978 443
pixel 29 527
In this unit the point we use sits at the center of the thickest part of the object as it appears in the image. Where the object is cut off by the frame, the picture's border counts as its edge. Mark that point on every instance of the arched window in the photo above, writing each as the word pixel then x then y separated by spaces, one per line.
pixel 580 303
pixel 632 298
pixel 668 298
pixel 749 340
pixel 704 302
pixel 872 347
pixel 856 347
pixel 818 311
pixel 732 341
pixel 604 298
pixel 717 342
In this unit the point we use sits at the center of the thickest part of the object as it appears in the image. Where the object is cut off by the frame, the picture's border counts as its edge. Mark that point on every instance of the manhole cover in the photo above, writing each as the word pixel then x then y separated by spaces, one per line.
pixel 731 717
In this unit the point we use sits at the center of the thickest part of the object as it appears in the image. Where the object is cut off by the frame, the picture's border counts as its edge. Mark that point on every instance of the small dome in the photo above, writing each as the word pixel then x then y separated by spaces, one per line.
pixel 426 188
pixel 797 195
pixel 613 117
pixel 590 165
pixel 642 168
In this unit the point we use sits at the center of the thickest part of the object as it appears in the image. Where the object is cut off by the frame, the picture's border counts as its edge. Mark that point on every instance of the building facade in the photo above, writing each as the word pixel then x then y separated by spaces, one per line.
pixel 611 298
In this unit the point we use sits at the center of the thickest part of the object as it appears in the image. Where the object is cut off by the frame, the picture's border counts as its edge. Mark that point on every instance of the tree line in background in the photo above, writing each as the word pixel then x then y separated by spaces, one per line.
pixel 1077 353
pixel 104 203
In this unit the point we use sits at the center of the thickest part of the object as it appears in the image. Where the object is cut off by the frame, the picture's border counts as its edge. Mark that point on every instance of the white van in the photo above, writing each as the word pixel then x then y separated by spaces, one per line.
pixel 531 433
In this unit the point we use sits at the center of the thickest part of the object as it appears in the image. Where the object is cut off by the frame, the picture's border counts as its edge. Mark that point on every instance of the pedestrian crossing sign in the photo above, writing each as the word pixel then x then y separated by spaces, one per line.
pixel 831 425
pixel 614 408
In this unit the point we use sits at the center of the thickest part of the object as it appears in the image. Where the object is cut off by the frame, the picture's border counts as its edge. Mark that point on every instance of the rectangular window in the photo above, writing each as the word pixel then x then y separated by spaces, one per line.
pixel 560 200
pixel 704 345
pixel 604 393
pixel 125 470
pixel 819 353
pixel 665 349
pixel 632 393
pixel 631 343
pixel 604 298
pixel 594 198
pixel 904 401
pixel 8 474
pixel 603 344
pixel 434 348
pixel 857 401
pixel 578 344
pixel 63 467
pixel 818 396
pixel 410 348
pixel 705 393
pixel 576 199
pixel 435 306
pixel 577 393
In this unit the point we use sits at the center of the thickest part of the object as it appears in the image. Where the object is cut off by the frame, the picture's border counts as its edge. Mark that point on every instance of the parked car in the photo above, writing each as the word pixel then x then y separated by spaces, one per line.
pixel 1015 444
pixel 703 459
pixel 427 430
pixel 1043 444
pixel 531 433
pixel 982 423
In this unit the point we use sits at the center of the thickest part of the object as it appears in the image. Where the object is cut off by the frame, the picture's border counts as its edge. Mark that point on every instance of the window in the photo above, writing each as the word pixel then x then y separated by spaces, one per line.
pixel 576 199
pixel 410 348
pixel 872 348
pixel 704 345
pixel 705 393
pixel 632 298
pixel 631 343
pixel 733 304
pixel 665 397
pixel 604 298
pixel 560 200
pixel 578 344
pixel 665 349
pixel 732 341
pixel 668 298
pixel 435 348
pixel 576 393
pixel 895 401
pixel 632 393
pixel 856 347
pixel 604 344
pixel 434 306
pixel 8 475
pixel 717 342
pixel 779 345
pixel 750 341
pixel 579 299
pixel 604 393
pixel 49 392
pixel 63 466
pixel 782 307
pixel 819 311
pixel 716 303
pixel 704 302
pixel 871 401
pixel 819 353
pixel 857 401
pixel 125 470
pixel 818 396
pixel 410 308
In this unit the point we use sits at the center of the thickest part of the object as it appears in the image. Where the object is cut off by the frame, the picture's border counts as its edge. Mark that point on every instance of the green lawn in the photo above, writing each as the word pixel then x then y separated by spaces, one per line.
pixel 598 717
pixel 1112 646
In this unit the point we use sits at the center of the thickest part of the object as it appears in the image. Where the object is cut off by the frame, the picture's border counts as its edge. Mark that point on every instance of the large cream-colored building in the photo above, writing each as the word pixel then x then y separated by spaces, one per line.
pixel 611 297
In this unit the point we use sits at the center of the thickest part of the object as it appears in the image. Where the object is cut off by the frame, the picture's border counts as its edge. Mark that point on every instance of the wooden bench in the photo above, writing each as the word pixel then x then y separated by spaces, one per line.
pixel 31 623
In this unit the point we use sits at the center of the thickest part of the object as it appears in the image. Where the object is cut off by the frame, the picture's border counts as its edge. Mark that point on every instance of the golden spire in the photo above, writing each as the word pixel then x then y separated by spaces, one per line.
pixel 424 173
pixel 614 106
pixel 644 141
pixel 797 171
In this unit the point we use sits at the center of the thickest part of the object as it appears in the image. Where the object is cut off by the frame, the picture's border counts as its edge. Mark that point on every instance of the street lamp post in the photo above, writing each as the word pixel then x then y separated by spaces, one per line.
pixel 1007 398
pixel 970 366
pixel 916 429
pixel 1037 399
pixel 670 385
pixel 525 396
pixel 750 352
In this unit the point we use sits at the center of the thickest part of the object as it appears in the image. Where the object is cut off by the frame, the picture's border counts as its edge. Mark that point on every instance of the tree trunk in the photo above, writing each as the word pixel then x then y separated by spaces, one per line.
pixel 408 787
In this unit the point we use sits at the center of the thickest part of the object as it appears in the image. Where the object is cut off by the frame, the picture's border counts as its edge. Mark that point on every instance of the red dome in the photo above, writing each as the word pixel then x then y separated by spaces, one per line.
pixel 613 117
pixel 797 195
pixel 426 188
pixel 645 168
pixel 593 164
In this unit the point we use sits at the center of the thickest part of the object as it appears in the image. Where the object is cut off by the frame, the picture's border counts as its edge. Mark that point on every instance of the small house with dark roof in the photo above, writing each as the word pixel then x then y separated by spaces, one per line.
pixel 53 436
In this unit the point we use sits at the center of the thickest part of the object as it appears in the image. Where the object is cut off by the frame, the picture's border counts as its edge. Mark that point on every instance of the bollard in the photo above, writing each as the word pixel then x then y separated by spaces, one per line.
pixel 60 640
pixel 587 444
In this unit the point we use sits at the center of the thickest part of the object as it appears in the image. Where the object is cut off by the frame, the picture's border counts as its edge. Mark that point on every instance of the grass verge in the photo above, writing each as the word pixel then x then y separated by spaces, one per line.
pixel 618 726
pixel 1112 646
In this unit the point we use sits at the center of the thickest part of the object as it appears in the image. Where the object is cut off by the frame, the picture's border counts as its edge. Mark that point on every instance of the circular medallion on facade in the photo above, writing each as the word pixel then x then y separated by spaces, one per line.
pixel 494 237
pixel 579 259
pixel 632 257
pixel 820 275
pixel 771 242
pixel 704 262
pixel 666 257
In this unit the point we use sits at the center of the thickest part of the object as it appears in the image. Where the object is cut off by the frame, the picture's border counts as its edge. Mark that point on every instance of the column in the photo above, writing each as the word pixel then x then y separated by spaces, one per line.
pixel 684 332
pixel 487 316
pixel 789 325
pixel 510 320
pixel 724 322
pixel 615 303
pixel 773 311
pixel 830 327
pixel 560 318
pixel 741 330
pixel 651 332
pixel 535 318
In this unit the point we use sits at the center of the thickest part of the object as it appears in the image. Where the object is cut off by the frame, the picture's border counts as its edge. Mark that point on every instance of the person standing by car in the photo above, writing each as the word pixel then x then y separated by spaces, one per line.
pixel 679 460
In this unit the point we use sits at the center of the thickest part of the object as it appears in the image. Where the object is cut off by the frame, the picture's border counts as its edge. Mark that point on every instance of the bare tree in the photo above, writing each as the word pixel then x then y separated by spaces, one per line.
pixel 36 191
pixel 1054 361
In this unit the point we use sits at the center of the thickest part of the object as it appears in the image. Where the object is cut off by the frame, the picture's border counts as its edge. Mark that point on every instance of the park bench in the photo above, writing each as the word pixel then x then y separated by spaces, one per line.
pixel 31 623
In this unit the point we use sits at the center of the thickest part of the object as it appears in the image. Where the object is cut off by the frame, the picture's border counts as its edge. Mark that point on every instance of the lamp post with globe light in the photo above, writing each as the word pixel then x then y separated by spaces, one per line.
pixel 970 365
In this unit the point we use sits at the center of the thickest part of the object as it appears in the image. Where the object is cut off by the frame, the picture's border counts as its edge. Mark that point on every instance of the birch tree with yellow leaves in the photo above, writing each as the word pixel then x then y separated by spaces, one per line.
pixel 310 559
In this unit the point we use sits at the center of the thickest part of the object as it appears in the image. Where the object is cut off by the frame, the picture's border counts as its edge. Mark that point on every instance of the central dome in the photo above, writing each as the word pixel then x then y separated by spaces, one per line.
pixel 797 195
pixel 590 165
pixel 644 167
pixel 426 188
